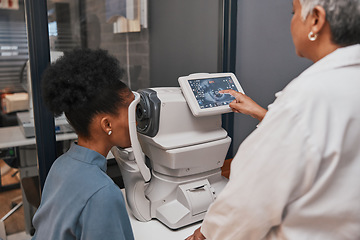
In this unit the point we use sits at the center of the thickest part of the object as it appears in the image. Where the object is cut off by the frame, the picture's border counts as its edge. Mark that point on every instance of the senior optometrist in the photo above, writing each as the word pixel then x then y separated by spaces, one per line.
pixel 297 175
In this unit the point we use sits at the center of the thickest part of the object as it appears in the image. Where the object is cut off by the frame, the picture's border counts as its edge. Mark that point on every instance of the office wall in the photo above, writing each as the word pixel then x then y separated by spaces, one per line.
pixel 184 39
pixel 265 56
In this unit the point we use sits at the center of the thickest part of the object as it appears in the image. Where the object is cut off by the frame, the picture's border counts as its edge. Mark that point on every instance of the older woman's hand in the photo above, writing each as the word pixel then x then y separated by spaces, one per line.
pixel 197 235
pixel 244 104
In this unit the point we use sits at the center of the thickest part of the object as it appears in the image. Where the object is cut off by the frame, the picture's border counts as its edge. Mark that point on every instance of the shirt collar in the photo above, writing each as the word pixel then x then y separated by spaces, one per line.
pixel 345 56
pixel 89 156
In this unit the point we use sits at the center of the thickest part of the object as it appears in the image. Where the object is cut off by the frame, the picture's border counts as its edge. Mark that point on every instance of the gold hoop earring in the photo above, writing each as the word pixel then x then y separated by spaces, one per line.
pixel 110 132
pixel 312 37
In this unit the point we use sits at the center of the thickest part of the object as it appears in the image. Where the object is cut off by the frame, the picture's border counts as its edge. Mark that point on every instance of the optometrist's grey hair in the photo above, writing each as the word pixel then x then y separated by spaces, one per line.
pixel 343 17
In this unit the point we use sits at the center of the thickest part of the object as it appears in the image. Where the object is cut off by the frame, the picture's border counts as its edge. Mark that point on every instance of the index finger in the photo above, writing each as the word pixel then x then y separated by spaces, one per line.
pixel 229 91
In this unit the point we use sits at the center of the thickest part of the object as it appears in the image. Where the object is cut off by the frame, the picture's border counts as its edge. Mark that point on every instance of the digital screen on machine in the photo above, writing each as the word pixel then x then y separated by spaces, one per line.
pixel 206 91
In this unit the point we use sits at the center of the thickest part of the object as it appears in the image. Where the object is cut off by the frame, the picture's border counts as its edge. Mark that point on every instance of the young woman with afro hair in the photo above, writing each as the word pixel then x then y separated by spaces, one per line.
pixel 79 200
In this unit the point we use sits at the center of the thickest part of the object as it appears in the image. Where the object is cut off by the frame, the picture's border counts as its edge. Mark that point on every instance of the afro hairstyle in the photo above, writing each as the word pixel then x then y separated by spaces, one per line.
pixel 81 84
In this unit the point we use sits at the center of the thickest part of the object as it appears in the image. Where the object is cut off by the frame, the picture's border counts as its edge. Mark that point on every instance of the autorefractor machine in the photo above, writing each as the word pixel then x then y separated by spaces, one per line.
pixel 177 131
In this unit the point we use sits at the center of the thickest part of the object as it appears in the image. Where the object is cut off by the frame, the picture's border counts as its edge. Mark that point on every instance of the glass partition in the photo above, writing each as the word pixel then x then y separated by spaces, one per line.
pixel 155 41
pixel 17 160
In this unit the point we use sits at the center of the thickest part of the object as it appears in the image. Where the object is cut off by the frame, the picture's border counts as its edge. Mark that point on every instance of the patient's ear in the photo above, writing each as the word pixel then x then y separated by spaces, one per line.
pixel 105 124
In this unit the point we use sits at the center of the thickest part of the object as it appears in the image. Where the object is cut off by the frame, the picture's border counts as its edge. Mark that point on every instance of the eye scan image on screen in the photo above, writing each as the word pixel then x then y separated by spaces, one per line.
pixel 206 91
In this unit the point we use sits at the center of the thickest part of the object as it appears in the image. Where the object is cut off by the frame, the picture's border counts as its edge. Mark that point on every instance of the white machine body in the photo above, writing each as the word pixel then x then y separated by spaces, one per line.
pixel 185 155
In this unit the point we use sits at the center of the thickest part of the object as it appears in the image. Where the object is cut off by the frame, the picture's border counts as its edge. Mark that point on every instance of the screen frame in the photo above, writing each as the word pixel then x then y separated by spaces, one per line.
pixel 191 99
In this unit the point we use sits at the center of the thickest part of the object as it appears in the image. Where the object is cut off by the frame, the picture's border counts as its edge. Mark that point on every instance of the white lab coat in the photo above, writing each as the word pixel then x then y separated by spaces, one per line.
pixel 297 176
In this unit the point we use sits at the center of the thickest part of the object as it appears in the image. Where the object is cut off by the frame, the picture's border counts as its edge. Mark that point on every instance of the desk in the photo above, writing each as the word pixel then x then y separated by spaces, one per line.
pixel 156 230
pixel 13 137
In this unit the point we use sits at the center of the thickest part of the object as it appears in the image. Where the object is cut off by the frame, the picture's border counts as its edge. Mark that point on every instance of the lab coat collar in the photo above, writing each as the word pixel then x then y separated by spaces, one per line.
pixel 88 156
pixel 341 57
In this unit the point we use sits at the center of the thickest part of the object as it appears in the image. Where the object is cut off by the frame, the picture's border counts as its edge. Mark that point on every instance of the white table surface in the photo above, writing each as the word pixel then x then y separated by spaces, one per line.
pixel 156 230
pixel 14 137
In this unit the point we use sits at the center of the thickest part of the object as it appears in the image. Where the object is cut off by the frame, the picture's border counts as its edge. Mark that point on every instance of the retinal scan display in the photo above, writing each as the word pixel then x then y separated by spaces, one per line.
pixel 207 91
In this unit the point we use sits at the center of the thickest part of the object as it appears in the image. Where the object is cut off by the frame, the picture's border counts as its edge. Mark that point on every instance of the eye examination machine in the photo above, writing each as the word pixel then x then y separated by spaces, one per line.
pixel 172 172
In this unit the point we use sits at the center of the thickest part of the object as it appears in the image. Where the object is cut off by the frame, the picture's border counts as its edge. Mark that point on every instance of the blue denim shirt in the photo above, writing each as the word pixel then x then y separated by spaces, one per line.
pixel 80 201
